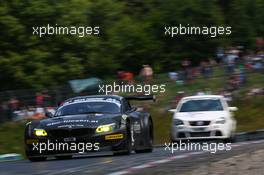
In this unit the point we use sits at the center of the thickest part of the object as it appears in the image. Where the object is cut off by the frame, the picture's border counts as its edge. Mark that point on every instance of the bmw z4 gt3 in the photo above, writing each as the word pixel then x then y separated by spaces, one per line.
pixel 86 124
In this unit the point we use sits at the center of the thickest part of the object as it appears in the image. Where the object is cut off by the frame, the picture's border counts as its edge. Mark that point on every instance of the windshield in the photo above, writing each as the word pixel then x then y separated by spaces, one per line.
pixel 202 105
pixel 88 107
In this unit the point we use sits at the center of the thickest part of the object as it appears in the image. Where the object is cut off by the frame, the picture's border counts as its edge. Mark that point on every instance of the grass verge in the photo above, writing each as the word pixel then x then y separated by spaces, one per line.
pixel 249 117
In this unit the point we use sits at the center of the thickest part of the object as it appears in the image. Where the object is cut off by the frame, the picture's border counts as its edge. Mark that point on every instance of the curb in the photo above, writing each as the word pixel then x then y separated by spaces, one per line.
pixel 10 157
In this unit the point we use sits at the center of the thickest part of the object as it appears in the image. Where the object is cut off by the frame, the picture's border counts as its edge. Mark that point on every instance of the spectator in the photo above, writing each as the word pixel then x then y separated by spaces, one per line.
pixel 173 76
pixel 205 69
pixel 230 61
pixel 47 98
pixel 147 74
pixel 232 83
pixel 241 74
pixel 186 66
pixel 179 96
pixel 125 77
pixel 4 112
pixel 128 77
pixel 13 105
pixel 39 99
pixel 120 76
pixel 260 43
pixel 219 55
pixel 199 93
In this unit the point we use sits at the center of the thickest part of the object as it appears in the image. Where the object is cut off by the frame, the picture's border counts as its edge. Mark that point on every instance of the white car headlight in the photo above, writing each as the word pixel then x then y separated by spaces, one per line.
pixel 177 122
pixel 221 120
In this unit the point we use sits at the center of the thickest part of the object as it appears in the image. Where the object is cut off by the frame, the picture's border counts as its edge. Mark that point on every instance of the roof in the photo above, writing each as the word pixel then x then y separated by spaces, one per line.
pixel 95 96
pixel 202 97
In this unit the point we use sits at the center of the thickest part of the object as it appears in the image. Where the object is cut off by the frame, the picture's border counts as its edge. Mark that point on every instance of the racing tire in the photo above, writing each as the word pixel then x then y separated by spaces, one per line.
pixel 150 140
pixel 231 139
pixel 128 147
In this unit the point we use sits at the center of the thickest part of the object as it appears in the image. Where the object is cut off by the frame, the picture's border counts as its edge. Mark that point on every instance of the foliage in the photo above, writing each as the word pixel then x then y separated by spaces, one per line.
pixel 131 34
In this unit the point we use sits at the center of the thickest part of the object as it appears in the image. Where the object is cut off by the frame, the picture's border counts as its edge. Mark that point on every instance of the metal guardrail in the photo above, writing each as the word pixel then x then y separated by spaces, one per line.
pixel 250 136
pixel 239 137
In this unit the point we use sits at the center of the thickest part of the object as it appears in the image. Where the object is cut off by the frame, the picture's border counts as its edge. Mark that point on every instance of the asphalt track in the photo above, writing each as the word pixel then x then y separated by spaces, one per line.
pixel 158 162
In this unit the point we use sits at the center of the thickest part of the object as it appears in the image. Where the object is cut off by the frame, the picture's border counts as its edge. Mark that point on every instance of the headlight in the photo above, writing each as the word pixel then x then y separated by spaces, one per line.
pixel 220 121
pixel 40 132
pixel 177 122
pixel 105 128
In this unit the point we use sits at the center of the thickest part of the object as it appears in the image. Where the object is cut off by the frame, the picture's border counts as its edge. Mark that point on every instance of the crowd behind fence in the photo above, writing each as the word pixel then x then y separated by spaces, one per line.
pixel 21 104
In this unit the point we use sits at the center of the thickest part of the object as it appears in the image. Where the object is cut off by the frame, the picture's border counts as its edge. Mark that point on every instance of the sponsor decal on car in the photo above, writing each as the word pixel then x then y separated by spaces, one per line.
pixel 114 136
pixel 72 121
pixel 109 100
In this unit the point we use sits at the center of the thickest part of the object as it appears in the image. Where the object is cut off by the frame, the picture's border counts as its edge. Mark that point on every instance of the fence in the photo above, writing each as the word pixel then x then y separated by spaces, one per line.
pixel 58 94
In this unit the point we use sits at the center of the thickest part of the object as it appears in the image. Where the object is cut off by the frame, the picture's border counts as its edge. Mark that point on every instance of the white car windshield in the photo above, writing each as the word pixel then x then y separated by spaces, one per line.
pixel 201 105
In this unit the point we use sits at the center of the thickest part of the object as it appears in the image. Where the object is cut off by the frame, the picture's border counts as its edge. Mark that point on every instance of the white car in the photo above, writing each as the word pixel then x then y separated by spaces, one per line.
pixel 203 117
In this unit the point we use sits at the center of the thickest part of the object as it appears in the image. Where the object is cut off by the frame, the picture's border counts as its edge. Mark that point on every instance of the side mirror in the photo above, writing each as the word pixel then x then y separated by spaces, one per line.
pixel 172 110
pixel 233 109
pixel 132 109
pixel 49 114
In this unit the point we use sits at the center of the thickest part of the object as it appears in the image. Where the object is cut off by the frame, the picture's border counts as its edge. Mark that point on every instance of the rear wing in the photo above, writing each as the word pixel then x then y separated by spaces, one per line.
pixel 142 98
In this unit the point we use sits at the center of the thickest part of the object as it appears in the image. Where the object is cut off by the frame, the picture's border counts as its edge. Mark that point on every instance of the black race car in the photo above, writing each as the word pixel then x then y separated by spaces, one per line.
pixel 86 124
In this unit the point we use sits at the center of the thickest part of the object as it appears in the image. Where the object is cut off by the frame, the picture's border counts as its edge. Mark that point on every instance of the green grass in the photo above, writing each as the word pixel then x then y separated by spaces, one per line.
pixel 11 138
pixel 249 117
pixel 250 114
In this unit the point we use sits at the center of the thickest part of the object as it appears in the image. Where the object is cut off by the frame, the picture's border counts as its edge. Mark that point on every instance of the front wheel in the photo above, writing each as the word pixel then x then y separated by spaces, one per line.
pixel 34 159
pixel 231 139
pixel 150 140
pixel 128 144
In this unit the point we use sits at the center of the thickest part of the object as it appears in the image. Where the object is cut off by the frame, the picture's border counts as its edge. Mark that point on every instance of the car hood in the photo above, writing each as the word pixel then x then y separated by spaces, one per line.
pixel 197 116
pixel 79 121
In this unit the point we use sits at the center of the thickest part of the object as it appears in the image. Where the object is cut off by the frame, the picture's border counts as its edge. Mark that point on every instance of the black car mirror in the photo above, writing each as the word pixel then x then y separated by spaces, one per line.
pixel 133 109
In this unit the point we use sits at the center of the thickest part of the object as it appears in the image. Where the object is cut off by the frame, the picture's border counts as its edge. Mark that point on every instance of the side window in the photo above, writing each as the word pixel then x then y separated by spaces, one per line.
pixel 127 106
